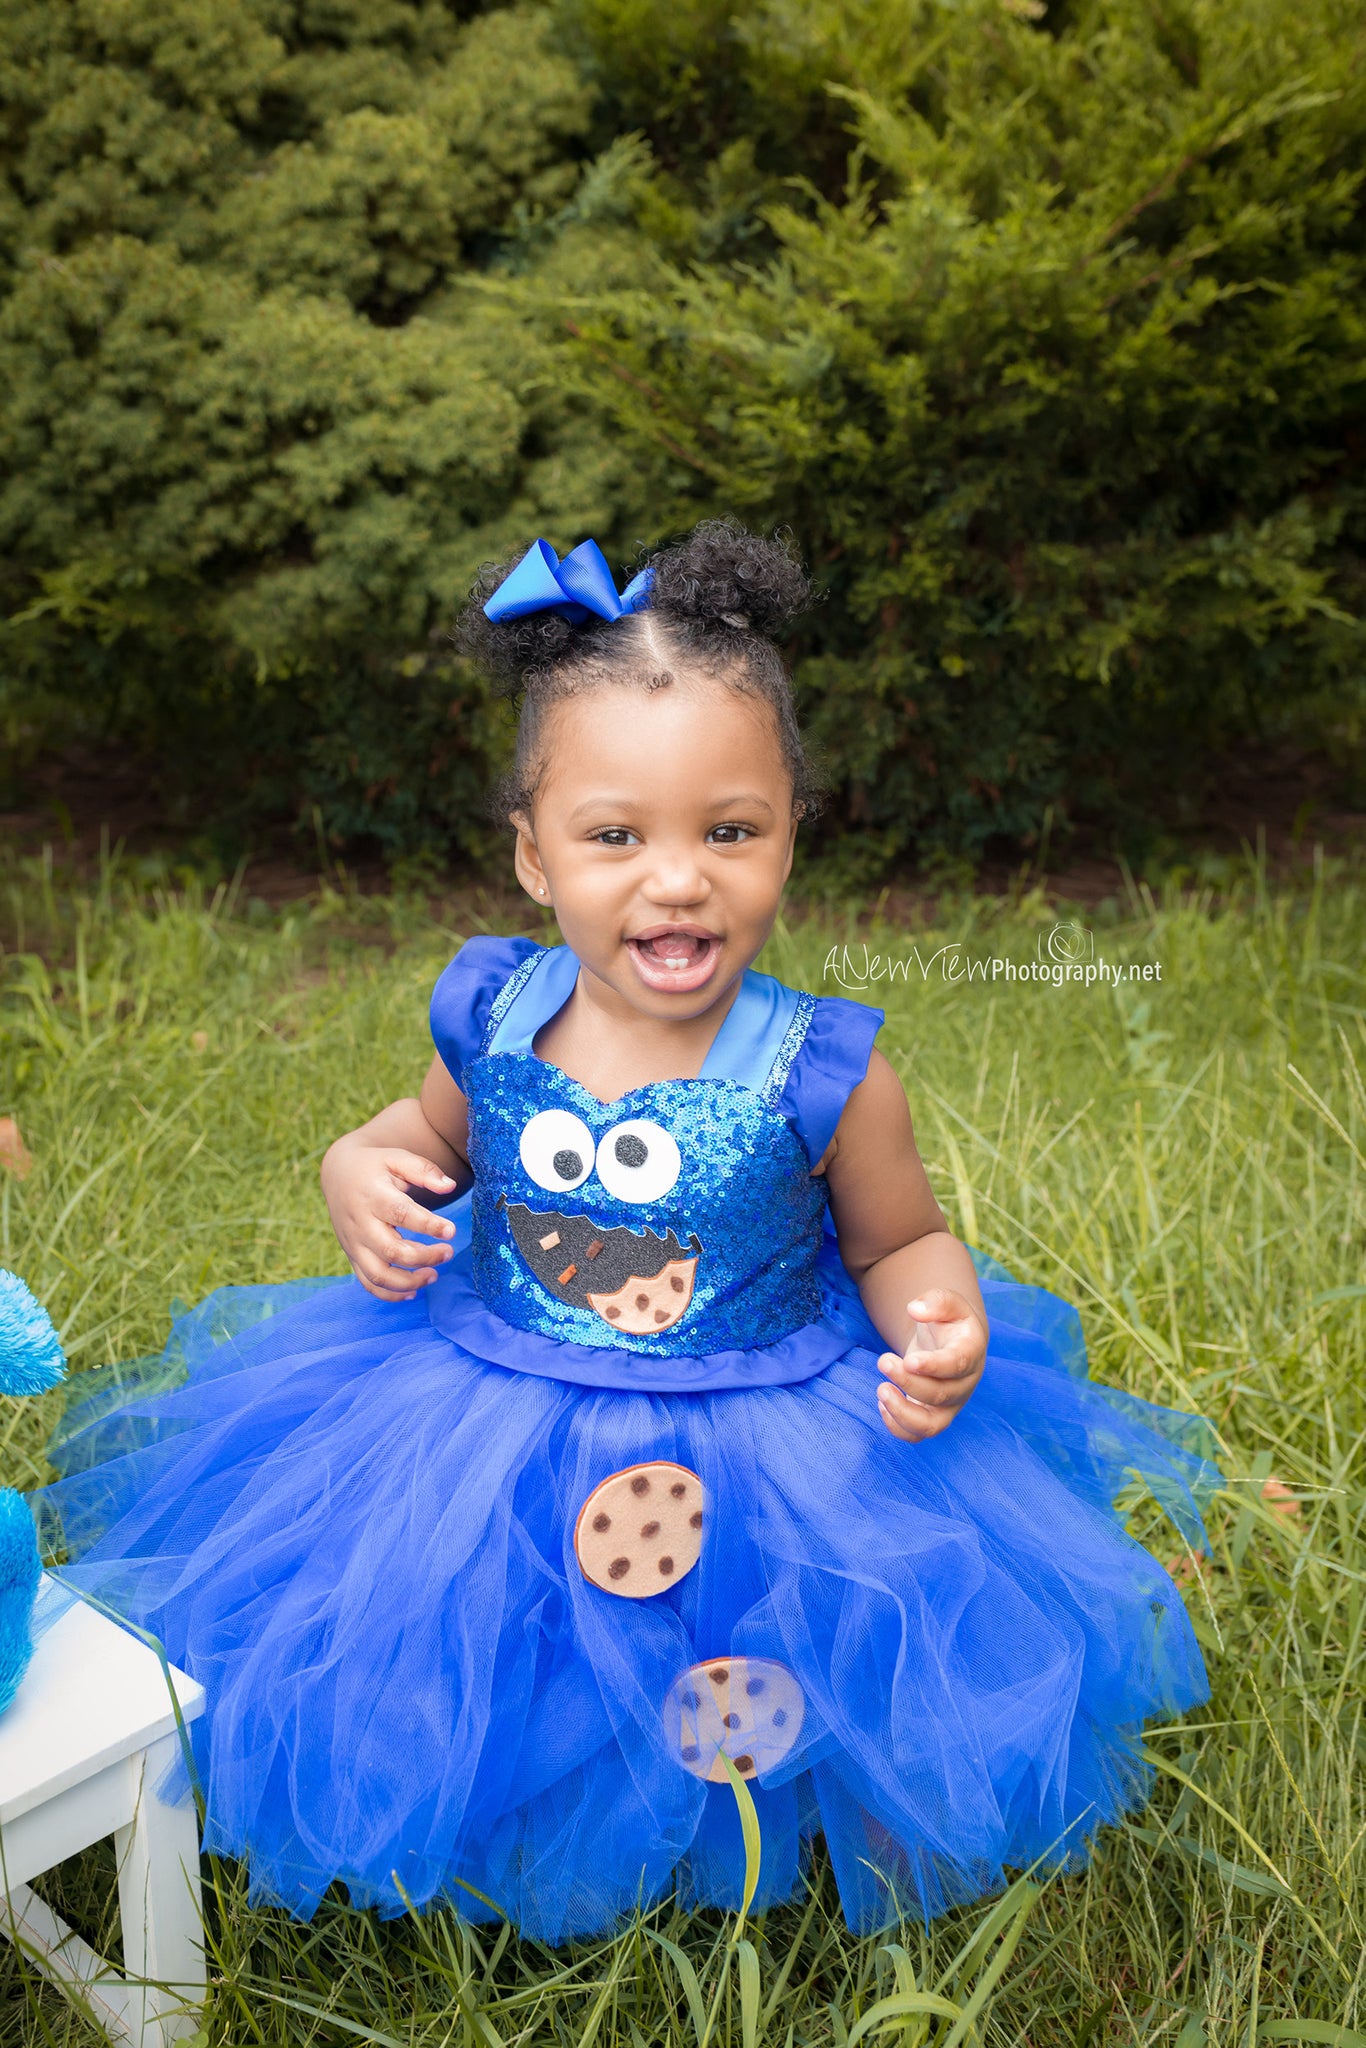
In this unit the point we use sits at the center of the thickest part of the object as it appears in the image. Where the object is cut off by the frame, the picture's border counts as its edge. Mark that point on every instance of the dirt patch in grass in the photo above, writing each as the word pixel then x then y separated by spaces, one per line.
pixel 1282 799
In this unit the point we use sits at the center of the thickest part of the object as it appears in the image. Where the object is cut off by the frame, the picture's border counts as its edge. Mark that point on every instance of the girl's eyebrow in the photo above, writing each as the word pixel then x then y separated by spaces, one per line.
pixel 627 805
pixel 749 801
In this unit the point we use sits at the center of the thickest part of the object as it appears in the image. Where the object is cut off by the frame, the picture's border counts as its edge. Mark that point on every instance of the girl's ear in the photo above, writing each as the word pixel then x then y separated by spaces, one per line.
pixel 526 860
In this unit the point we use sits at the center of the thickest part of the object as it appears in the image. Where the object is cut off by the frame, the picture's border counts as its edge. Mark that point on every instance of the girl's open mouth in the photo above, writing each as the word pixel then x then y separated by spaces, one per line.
pixel 675 958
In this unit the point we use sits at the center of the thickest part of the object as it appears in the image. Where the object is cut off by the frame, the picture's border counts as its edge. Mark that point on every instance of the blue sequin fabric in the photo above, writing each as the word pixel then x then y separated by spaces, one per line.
pixel 744 1207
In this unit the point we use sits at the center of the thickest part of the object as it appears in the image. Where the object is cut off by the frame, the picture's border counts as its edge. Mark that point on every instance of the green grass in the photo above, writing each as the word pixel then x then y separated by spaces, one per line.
pixel 1185 1159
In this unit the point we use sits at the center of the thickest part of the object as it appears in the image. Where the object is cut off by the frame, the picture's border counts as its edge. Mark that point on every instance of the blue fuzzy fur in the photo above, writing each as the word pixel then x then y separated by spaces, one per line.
pixel 31 1361
pixel 19 1574
pixel 31 1358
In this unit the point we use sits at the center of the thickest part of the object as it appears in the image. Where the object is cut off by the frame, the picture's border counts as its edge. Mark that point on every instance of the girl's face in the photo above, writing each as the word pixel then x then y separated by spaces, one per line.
pixel 662 834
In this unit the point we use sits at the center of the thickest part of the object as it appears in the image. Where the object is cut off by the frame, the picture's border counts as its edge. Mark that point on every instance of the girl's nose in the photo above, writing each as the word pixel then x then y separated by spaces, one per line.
pixel 677 877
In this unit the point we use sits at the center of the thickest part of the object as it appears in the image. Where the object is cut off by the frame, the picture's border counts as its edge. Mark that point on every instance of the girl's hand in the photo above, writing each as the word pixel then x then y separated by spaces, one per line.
pixel 366 1188
pixel 941 1366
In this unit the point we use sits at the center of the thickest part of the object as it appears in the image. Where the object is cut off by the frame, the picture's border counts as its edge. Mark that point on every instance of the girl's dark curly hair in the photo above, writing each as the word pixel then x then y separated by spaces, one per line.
pixel 717 601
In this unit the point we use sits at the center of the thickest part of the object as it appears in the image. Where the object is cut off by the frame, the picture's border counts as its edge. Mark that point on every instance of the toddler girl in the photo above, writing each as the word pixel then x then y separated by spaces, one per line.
pixel 664 1419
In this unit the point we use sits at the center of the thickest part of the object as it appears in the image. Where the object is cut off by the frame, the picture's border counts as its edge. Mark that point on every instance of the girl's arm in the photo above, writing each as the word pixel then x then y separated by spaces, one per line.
pixel 910 1268
pixel 368 1177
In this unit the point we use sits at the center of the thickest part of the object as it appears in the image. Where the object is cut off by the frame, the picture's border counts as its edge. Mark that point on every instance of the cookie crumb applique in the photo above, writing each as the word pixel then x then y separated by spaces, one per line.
pixel 750 1709
pixel 640 1531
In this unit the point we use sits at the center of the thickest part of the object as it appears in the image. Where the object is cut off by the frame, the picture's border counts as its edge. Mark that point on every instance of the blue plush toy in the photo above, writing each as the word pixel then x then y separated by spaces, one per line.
pixel 31 1361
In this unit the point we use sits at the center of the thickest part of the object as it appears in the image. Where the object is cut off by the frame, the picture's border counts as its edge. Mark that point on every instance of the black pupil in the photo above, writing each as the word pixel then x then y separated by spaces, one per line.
pixel 631 1150
pixel 568 1165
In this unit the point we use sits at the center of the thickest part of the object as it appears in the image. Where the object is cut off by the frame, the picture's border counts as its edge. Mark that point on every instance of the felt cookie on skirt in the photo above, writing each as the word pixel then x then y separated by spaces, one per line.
pixel 750 1709
pixel 640 1531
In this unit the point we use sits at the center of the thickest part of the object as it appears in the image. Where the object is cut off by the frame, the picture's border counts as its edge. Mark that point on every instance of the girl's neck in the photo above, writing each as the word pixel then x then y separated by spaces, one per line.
pixel 611 1049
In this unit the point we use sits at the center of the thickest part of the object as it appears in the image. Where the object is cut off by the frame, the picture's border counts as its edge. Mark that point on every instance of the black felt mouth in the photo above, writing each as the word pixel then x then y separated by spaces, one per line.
pixel 584 1255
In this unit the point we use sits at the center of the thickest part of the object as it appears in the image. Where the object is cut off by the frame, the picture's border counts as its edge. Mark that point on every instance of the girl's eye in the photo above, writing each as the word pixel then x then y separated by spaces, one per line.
pixel 729 835
pixel 557 1151
pixel 638 1161
pixel 615 835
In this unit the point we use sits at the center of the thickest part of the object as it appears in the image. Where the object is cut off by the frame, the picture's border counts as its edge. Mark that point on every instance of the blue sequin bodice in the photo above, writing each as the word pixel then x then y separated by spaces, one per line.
pixel 682 1219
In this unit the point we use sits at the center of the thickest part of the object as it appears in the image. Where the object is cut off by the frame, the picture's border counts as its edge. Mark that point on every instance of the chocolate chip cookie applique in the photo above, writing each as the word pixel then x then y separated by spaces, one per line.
pixel 750 1709
pixel 640 1531
pixel 642 1306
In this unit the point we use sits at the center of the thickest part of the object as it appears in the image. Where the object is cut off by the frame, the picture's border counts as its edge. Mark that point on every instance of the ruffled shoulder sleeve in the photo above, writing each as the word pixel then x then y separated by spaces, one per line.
pixel 466 993
pixel 831 1062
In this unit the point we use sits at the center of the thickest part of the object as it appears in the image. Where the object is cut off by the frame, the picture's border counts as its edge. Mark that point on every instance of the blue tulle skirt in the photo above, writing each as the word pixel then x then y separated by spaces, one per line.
pixel 358 1538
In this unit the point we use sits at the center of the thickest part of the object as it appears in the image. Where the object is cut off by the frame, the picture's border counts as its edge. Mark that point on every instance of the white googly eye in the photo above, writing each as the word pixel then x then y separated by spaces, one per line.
pixel 557 1150
pixel 638 1161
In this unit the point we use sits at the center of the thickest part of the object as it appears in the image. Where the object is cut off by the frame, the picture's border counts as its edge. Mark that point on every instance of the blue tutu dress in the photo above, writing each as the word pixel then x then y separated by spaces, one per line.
pixel 481 1585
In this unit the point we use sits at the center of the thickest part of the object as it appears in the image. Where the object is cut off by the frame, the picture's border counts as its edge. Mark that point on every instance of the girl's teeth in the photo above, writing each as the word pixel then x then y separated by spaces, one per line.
pixel 677 956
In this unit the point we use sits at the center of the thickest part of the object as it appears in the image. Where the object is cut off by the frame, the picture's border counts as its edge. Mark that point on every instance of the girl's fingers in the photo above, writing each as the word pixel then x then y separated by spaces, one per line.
pixel 963 1349
pixel 416 1172
pixel 907 1420
pixel 394 1250
pixel 932 1370
pixel 932 1394
pixel 402 1209
pixel 401 1251
pixel 383 1275
pixel 938 1305
pixel 379 1293
pixel 921 1393
pixel 939 1309
pixel 409 1215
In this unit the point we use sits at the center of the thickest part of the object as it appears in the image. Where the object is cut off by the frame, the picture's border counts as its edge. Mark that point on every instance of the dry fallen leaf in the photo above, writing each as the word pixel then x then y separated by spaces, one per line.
pixel 1278 1496
pixel 14 1153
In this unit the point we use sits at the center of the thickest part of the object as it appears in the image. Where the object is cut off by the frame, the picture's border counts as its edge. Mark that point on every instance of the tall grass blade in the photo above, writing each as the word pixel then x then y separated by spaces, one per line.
pixel 747 1968
pixel 687 1977
pixel 749 1830
pixel 1310 2030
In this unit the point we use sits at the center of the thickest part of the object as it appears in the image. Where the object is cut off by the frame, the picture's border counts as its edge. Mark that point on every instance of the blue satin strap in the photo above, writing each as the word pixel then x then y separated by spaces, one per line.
pixel 743 1050
pixel 749 1041
pixel 544 992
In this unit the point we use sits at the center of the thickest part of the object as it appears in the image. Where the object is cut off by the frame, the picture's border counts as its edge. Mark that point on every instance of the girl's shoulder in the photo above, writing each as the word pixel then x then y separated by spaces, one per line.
pixel 466 991
pixel 831 1060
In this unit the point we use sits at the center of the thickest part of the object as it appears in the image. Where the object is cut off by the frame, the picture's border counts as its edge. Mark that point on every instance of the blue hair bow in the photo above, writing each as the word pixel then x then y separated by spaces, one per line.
pixel 578 586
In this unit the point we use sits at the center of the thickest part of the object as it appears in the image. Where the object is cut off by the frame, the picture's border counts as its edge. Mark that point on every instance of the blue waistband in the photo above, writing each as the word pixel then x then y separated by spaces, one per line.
pixel 458 1311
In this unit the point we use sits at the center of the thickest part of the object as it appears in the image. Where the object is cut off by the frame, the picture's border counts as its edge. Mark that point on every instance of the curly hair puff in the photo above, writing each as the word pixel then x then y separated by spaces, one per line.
pixel 717 601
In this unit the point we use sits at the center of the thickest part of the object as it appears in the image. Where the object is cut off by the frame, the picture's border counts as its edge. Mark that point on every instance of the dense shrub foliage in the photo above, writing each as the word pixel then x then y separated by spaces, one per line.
pixel 1042 329
pixel 256 442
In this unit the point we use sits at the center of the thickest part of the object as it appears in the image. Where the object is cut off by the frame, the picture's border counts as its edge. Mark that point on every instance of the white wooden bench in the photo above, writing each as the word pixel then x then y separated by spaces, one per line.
pixel 83 1747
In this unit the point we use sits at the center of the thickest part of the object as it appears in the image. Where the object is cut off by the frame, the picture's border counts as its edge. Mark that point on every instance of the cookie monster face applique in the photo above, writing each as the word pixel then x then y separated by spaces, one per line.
pixel 680 1220
pixel 638 1281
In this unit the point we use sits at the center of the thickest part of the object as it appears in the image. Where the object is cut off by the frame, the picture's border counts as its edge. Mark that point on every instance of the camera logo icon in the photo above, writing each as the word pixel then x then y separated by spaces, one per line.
pixel 1068 944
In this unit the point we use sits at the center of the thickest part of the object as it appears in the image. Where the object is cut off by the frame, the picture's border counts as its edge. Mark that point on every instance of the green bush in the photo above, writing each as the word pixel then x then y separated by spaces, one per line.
pixel 255 443
pixel 1062 392
pixel 1043 331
